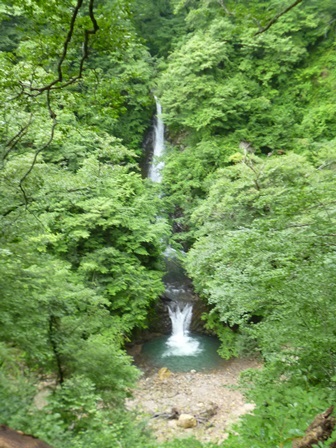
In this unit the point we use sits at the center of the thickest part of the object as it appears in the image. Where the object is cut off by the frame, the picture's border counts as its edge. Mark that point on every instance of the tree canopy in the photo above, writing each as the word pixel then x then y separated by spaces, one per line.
pixel 247 89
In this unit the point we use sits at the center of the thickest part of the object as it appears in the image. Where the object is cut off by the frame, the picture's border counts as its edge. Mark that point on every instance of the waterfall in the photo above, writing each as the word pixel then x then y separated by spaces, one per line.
pixel 177 288
pixel 181 318
pixel 157 165
pixel 180 343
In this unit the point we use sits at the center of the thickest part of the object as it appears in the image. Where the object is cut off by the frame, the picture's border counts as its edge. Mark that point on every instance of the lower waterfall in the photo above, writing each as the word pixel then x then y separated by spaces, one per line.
pixel 180 343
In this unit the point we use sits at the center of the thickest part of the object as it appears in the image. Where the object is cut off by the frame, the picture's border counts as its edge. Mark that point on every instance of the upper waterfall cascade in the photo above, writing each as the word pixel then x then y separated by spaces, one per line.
pixel 157 165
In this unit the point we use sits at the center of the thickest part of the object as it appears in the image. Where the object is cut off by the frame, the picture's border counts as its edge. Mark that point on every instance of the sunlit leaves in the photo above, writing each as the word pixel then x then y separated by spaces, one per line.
pixel 265 252
pixel 80 243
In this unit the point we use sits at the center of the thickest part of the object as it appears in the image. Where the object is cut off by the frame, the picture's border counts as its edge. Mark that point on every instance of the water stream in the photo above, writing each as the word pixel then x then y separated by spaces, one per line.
pixel 180 343
pixel 181 350
pixel 157 164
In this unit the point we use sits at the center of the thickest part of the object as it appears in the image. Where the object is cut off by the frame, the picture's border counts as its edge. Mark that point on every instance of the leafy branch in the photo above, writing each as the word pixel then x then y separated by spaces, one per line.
pixel 277 17
pixel 51 137
pixel 85 53
pixel 26 90
pixel 10 145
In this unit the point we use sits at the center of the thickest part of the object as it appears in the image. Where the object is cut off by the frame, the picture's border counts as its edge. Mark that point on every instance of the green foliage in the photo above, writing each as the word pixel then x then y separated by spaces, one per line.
pixel 76 416
pixel 112 93
pixel 80 242
pixel 16 388
pixel 185 443
pixel 266 228
pixel 158 25
pixel 224 87
pixel 227 337
pixel 102 219
pixel 259 230
pixel 283 413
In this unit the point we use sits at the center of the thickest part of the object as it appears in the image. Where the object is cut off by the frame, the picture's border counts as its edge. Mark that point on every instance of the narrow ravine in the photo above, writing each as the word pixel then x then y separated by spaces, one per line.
pixel 182 372
pixel 182 350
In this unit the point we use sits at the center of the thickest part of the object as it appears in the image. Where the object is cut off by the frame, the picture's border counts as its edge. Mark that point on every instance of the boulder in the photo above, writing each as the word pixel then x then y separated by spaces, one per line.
pixel 209 411
pixel 186 421
pixel 164 373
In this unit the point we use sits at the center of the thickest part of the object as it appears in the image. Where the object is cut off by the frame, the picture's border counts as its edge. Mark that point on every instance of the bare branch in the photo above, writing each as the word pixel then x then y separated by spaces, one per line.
pixel 85 52
pixel 65 50
pixel 17 137
pixel 327 234
pixel 52 133
pixel 15 97
pixel 87 36
pixel 277 17
pixel 67 41
pixel 222 4
pixel 247 147
pixel 53 85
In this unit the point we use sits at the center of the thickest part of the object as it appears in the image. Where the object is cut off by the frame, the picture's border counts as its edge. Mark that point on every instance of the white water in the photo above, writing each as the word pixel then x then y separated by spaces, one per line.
pixel 179 343
pixel 181 319
pixel 157 165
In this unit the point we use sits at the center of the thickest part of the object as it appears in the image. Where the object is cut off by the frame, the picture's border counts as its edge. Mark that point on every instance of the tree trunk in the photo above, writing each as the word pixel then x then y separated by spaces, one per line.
pixel 318 431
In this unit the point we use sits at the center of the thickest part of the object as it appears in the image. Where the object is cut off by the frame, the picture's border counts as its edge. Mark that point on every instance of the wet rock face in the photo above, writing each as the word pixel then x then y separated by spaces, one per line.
pixel 160 321
pixel 147 146
pixel 199 308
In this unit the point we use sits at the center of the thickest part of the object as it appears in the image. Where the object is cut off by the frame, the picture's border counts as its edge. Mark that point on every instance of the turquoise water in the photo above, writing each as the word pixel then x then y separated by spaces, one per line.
pixel 158 354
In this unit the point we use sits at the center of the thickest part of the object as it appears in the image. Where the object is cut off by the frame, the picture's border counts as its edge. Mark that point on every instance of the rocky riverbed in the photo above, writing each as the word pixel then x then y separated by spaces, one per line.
pixel 211 397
